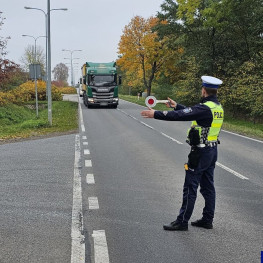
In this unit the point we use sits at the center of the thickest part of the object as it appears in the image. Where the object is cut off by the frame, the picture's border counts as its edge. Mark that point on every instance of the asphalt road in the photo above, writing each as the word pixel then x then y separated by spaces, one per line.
pixel 132 174
pixel 139 174
pixel 36 200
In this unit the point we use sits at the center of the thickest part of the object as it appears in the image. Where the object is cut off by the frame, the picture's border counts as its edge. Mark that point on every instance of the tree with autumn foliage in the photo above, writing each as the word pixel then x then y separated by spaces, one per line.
pixel 142 54
pixel 219 38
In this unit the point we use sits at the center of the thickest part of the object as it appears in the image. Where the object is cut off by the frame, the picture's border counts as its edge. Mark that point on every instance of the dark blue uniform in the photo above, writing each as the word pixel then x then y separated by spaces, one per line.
pixel 203 174
pixel 200 113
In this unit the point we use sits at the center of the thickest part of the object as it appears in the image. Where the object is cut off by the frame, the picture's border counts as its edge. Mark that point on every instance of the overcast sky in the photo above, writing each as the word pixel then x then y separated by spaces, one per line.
pixel 92 26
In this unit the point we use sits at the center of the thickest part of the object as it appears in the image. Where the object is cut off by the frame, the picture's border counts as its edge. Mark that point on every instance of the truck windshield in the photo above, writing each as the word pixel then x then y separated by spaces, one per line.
pixel 102 80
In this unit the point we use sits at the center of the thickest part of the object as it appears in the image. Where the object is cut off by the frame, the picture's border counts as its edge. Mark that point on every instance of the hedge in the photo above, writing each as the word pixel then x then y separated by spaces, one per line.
pixel 26 92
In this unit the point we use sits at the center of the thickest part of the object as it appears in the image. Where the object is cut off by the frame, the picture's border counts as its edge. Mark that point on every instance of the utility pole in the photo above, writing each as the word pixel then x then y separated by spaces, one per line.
pixel 49 66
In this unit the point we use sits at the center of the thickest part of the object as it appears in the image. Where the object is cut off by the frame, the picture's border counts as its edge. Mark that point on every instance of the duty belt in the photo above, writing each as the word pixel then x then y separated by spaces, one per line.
pixel 208 144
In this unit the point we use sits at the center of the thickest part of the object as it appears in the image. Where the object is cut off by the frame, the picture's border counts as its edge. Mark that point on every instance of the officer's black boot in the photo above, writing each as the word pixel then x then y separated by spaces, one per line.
pixel 202 223
pixel 175 226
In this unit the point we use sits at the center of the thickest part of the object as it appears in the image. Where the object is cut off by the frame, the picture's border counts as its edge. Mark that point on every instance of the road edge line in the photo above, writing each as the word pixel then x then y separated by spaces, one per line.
pixel 77 236
pixel 243 136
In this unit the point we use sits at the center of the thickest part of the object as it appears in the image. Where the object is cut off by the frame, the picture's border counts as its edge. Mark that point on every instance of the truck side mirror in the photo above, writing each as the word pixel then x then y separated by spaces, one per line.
pixel 119 80
pixel 84 81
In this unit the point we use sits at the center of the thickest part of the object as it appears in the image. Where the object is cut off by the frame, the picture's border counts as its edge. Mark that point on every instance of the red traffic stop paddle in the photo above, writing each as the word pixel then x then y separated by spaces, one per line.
pixel 151 101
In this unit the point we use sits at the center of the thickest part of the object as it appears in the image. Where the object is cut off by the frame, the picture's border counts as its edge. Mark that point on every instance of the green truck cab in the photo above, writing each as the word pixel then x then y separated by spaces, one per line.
pixel 99 84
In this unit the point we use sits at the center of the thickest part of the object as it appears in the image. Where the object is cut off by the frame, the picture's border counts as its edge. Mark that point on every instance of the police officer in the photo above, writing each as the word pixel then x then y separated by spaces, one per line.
pixel 207 119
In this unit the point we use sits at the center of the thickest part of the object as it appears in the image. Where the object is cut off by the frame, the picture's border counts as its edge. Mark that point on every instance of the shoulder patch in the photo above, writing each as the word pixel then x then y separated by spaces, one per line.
pixel 165 113
pixel 187 110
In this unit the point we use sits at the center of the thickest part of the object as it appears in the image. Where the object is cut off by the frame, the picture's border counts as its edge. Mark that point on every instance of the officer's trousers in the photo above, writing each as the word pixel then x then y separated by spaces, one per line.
pixel 203 175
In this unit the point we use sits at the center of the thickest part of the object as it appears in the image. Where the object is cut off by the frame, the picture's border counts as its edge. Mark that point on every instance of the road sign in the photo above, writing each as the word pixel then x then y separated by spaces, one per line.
pixel 35 71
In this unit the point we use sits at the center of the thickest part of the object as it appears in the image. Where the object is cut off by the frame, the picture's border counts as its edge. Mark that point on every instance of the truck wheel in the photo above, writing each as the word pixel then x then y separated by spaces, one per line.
pixel 85 99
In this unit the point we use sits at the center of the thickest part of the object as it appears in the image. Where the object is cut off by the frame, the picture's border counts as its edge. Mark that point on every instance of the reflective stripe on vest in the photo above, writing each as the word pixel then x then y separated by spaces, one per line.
pixel 210 134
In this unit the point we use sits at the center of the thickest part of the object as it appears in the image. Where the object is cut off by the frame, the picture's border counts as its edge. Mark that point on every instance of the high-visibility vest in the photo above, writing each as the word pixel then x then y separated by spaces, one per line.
pixel 210 134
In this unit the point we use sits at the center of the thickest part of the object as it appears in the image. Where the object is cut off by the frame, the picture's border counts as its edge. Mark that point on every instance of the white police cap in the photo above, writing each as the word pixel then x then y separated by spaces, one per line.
pixel 211 82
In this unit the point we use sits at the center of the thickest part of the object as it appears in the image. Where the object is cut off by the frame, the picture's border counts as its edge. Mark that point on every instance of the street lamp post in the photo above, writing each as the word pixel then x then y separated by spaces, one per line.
pixel 71 59
pixel 34 8
pixel 74 69
pixel 35 68
pixel 26 7
pixel 71 67
pixel 48 54
pixel 49 102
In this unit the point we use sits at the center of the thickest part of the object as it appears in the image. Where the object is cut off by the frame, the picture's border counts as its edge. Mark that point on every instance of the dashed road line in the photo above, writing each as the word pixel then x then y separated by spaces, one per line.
pixel 90 179
pixel 85 143
pixel 101 254
pixel 232 171
pixel 77 237
pixel 150 127
pixel 147 125
pixel 88 163
pixel 84 137
pixel 93 203
pixel 86 152
pixel 171 138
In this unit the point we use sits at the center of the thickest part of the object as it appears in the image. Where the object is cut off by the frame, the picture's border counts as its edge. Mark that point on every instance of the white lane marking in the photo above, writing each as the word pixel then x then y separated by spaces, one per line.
pixel 86 152
pixel 171 138
pixel 145 124
pixel 252 139
pixel 84 137
pixel 150 127
pixel 88 163
pixel 90 179
pixel 101 254
pixel 77 237
pixel 81 118
pixel 232 171
pixel 93 202
pixel 85 143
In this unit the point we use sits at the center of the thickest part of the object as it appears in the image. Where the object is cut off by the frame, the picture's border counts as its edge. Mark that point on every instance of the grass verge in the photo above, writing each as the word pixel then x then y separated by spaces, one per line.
pixel 21 122
pixel 242 127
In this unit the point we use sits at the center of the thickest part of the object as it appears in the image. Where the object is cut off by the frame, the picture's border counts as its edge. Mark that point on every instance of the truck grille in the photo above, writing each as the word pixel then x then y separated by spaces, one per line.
pixel 103 96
